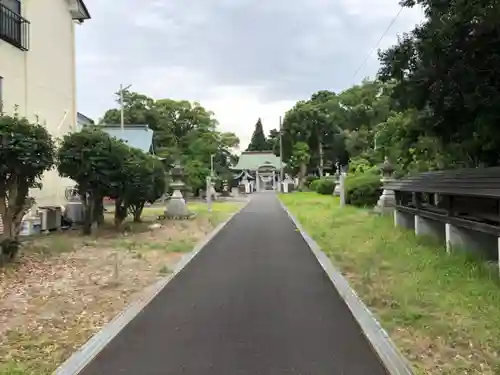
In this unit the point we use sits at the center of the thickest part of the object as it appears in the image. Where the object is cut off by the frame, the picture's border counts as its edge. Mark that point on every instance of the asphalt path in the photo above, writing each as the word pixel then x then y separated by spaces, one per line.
pixel 254 301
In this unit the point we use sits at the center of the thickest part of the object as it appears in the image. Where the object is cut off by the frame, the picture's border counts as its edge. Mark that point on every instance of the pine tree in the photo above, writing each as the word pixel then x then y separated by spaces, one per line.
pixel 259 141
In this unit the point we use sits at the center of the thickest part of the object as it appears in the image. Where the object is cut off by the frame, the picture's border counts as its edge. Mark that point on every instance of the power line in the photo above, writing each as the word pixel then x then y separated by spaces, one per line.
pixel 378 43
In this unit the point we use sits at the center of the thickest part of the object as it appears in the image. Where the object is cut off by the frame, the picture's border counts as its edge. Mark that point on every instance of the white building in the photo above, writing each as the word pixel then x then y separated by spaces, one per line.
pixel 38 71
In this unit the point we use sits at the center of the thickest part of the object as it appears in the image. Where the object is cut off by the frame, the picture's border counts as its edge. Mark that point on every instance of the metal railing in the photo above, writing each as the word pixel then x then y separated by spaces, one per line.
pixel 14 29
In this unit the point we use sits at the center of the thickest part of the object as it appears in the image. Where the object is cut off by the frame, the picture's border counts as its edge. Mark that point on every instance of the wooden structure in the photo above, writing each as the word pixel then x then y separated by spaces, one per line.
pixel 460 206
pixel 257 171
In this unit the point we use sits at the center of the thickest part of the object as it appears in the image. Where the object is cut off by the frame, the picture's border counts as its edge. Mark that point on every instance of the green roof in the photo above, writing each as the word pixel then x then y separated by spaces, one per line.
pixel 251 160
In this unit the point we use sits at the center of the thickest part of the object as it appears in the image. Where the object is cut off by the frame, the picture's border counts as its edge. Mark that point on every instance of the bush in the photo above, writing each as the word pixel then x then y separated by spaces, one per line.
pixel 363 190
pixel 314 185
pixel 324 186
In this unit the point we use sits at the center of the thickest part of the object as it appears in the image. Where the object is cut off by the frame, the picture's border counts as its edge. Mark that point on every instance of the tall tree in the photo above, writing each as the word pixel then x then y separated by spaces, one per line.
pixel 315 123
pixel 182 129
pixel 273 141
pixel 448 68
pixel 26 152
pixel 258 141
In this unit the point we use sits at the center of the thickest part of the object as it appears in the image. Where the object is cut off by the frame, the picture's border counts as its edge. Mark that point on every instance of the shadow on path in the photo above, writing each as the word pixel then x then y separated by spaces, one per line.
pixel 254 301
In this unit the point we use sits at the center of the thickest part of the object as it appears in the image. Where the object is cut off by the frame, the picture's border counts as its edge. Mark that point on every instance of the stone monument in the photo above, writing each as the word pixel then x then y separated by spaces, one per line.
pixel 336 177
pixel 176 206
pixel 225 188
pixel 387 200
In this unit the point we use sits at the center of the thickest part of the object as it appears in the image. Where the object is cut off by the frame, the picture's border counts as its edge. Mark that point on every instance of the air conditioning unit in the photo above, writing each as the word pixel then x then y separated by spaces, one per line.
pixel 74 212
pixel 50 218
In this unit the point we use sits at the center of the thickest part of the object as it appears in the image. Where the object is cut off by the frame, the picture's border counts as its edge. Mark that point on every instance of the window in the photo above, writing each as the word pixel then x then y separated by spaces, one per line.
pixel 13 5
pixel 13 27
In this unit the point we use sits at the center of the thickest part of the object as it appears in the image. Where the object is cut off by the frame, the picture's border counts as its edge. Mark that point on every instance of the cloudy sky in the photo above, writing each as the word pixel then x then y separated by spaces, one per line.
pixel 242 59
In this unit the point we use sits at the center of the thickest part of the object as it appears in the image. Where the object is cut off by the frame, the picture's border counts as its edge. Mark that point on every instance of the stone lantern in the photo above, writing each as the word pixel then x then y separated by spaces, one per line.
pixel 336 178
pixel 176 206
pixel 387 200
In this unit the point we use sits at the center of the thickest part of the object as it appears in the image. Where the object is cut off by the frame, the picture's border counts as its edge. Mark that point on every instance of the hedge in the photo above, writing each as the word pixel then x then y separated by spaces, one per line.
pixel 314 184
pixel 324 186
pixel 363 190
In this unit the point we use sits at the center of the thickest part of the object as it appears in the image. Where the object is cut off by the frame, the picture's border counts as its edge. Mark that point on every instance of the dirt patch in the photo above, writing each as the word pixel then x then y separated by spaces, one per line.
pixel 65 287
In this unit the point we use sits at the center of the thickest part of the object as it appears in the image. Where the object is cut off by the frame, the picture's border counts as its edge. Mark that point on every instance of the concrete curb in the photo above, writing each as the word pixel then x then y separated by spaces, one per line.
pixel 81 358
pixel 378 338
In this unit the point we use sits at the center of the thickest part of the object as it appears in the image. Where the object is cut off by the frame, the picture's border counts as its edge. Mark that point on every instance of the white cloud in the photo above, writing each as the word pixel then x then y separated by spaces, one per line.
pixel 238 108
pixel 239 60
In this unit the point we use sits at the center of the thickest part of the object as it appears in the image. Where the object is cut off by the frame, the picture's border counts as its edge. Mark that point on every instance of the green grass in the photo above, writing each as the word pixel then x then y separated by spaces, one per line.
pixel 12 368
pixel 443 311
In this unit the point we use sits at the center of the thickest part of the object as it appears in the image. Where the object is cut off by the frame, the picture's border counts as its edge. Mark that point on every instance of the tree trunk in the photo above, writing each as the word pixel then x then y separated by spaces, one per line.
pixel 87 213
pixel 14 204
pixel 321 162
pixel 138 212
pixel 98 214
pixel 302 175
pixel 120 212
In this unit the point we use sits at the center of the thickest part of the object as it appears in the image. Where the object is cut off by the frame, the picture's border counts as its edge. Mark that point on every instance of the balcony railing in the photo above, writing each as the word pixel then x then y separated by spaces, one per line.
pixel 14 29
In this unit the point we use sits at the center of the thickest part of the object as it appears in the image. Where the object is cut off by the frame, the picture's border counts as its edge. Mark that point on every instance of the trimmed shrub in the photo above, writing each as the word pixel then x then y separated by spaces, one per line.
pixel 324 186
pixel 363 190
pixel 314 185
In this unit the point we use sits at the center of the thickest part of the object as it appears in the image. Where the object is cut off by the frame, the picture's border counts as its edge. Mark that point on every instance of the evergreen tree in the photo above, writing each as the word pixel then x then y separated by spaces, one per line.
pixel 259 141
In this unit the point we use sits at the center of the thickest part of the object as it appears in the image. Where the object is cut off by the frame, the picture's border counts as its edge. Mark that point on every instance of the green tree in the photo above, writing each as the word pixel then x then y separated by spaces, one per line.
pixel 95 161
pixel 184 130
pixel 300 159
pixel 143 180
pixel 273 141
pixel 315 122
pixel 448 68
pixel 258 141
pixel 26 152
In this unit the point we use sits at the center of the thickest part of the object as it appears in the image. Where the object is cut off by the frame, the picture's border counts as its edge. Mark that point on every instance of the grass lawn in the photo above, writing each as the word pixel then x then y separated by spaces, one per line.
pixel 64 287
pixel 442 311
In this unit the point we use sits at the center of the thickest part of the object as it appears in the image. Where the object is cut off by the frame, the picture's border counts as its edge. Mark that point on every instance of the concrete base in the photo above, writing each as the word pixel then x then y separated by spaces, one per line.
pixel 430 228
pixel 483 244
pixel 235 192
pixel 176 207
pixel 336 191
pixel 386 202
pixel 404 220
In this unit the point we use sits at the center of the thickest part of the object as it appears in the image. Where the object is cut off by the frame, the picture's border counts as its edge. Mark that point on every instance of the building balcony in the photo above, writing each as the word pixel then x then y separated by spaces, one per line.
pixel 14 29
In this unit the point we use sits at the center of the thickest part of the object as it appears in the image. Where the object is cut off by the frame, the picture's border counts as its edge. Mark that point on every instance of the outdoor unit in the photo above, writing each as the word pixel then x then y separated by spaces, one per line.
pixel 74 212
pixel 50 218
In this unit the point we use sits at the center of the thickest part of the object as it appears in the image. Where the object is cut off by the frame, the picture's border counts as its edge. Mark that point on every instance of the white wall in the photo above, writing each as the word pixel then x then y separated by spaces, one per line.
pixel 42 80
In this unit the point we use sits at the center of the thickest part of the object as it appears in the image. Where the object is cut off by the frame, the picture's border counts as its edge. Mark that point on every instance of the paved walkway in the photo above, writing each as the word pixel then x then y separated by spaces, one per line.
pixel 254 302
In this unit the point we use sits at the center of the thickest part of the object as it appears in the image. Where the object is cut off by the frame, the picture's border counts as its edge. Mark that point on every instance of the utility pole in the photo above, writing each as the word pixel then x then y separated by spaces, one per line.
pixel 122 105
pixel 281 156
pixel 212 165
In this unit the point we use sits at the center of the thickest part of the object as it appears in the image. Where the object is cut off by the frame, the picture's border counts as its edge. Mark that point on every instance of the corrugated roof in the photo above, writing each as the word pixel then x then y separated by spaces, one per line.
pixel 137 136
pixel 251 160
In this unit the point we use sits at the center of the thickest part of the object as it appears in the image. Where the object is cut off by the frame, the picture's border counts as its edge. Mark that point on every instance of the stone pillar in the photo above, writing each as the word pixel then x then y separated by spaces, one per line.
pixel 336 179
pixel 404 220
pixel 257 182
pixel 274 180
pixel 429 227
pixel 343 176
pixel 387 200
pixel 209 193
